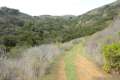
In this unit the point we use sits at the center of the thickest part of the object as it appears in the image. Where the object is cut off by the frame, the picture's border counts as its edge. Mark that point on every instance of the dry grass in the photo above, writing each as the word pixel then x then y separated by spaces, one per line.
pixel 31 66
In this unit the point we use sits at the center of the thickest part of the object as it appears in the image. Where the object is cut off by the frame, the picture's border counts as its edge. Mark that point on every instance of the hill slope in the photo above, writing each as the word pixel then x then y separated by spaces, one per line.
pixel 18 28
pixel 98 40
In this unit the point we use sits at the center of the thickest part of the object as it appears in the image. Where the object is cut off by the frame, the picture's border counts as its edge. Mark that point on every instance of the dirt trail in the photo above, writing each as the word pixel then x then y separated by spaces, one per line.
pixel 86 70
pixel 61 70
pixel 79 67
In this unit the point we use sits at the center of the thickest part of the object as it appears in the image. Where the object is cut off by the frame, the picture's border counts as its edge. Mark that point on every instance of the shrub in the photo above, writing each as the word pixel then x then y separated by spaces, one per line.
pixel 111 55
pixel 9 41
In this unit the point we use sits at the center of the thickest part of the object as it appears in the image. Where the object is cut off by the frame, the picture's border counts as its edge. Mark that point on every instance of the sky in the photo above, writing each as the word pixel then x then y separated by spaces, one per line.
pixel 54 7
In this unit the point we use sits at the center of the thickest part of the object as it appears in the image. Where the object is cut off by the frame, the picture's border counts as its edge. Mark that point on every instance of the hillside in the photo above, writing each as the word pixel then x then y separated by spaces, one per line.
pixel 19 29
pixel 68 47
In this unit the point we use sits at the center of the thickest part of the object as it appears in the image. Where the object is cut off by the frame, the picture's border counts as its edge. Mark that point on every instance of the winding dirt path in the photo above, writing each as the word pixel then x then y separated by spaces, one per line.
pixel 87 70
pixel 84 68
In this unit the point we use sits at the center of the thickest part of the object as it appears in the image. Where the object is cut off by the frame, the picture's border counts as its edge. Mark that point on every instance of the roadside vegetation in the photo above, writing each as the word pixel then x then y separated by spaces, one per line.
pixel 31 65
pixel 111 55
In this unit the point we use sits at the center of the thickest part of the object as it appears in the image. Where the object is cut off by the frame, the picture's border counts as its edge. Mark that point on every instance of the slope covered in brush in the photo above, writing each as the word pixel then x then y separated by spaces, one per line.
pixel 19 29
pixel 108 36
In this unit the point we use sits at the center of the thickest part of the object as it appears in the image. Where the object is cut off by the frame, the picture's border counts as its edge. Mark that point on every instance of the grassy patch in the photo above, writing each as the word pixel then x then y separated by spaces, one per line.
pixel 70 66
pixel 71 73
pixel 70 59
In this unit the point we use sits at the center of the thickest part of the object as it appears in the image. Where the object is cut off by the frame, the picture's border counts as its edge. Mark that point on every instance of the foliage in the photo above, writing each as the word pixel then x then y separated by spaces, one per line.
pixel 19 29
pixel 111 54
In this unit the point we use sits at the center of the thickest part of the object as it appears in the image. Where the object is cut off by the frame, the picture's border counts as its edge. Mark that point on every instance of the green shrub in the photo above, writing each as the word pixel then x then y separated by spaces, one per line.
pixel 9 41
pixel 111 55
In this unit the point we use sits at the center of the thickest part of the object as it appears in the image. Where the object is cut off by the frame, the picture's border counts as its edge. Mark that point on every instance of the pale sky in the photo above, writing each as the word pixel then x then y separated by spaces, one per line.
pixel 54 7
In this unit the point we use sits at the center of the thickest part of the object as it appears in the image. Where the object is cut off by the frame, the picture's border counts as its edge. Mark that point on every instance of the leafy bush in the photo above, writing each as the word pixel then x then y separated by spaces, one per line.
pixel 9 41
pixel 111 55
